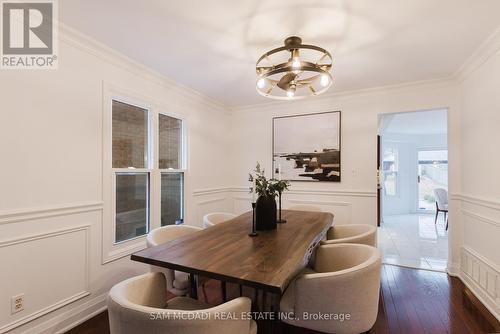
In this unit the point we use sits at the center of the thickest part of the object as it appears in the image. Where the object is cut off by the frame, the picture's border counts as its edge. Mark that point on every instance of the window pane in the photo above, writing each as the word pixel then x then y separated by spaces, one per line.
pixel 170 144
pixel 130 136
pixel 132 205
pixel 171 198
pixel 433 174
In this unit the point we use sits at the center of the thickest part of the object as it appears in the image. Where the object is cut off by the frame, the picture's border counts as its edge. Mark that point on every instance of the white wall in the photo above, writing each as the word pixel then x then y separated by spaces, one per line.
pixel 51 198
pixel 480 196
pixel 354 199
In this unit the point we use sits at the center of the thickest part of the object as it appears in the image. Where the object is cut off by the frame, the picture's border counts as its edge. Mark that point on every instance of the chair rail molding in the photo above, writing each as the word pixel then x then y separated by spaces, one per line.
pixel 21 215
pixel 339 192
pixel 491 203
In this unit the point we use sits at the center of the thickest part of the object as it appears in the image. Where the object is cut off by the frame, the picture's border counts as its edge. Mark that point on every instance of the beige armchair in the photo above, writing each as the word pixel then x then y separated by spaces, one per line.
pixel 352 234
pixel 344 284
pixel 137 306
pixel 215 218
pixel 177 282
pixel 305 207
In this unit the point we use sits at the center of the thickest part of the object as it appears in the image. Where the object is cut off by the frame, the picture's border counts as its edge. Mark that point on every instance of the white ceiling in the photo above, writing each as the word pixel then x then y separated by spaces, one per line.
pixel 212 45
pixel 416 123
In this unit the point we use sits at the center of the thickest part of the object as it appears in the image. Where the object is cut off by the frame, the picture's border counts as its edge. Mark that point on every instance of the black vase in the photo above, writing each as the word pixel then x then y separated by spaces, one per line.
pixel 265 213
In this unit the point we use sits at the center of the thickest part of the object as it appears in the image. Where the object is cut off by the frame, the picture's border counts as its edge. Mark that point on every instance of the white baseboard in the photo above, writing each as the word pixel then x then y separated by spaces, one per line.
pixel 453 269
pixel 481 277
pixel 63 322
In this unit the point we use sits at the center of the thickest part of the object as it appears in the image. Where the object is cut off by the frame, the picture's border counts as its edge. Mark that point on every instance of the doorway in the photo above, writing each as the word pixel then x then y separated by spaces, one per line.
pixel 413 168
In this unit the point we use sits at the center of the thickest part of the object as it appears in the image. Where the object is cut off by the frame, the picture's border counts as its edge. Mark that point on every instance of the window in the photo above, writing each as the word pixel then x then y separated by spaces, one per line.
pixel 390 170
pixel 170 161
pixel 136 170
pixel 432 174
pixel 171 198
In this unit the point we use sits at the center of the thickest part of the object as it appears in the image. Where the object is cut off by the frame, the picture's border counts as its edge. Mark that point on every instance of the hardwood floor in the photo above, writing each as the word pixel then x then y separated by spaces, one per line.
pixel 412 301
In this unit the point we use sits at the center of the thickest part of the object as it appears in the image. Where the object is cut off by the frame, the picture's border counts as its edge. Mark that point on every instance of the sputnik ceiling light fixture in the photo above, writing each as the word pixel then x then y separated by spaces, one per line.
pixel 294 71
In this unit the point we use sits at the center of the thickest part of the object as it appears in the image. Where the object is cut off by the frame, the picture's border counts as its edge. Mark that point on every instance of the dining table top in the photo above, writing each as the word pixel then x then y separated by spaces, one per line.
pixel 268 261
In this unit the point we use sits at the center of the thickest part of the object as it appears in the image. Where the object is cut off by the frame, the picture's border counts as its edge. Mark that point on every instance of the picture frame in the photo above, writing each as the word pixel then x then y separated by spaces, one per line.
pixel 307 147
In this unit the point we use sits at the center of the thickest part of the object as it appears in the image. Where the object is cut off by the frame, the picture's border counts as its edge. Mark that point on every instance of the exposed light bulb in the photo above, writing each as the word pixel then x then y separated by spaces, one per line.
pixel 324 80
pixel 290 93
pixel 261 83
pixel 296 62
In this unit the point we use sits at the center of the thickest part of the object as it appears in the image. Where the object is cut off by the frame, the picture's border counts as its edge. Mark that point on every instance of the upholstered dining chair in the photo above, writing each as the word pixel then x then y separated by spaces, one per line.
pixel 215 218
pixel 353 234
pixel 305 207
pixel 136 306
pixel 177 282
pixel 441 196
pixel 344 281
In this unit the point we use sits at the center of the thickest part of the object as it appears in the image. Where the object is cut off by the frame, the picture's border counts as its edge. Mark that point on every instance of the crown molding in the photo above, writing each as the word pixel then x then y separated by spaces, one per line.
pixel 75 38
pixel 83 42
pixel 325 98
pixel 486 50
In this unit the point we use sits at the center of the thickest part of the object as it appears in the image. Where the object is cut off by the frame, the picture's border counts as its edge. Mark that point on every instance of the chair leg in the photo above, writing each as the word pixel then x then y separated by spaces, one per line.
pixel 445 213
pixel 436 218
pixel 446 224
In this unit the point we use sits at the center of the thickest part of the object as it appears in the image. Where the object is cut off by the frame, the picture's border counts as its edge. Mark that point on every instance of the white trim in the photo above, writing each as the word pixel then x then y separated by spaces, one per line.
pixel 62 302
pixel 85 43
pixel 480 218
pixel 353 94
pixel 453 269
pixel 218 199
pixel 43 311
pixel 22 215
pixel 340 192
pixel 83 319
pixel 326 203
pixel 486 50
pixel 473 269
pixel 112 250
pixel 209 191
pixel 74 316
pixel 129 247
pixel 476 200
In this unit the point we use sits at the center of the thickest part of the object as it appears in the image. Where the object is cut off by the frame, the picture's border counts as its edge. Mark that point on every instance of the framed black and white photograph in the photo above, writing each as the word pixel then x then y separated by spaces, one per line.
pixel 307 147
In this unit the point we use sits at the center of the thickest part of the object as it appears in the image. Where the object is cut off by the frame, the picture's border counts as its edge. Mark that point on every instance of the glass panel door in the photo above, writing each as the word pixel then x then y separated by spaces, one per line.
pixel 432 174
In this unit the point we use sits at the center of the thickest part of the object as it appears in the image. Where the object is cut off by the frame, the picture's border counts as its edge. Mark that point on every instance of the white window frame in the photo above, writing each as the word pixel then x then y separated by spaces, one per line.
pixel 112 250
pixel 182 159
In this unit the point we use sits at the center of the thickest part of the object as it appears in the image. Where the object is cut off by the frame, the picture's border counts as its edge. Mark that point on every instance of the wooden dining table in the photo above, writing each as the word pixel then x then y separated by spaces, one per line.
pixel 226 252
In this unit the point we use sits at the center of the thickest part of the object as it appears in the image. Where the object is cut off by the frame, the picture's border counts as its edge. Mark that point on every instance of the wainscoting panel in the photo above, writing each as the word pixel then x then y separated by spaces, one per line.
pixel 483 278
pixel 348 207
pixel 211 200
pixel 480 254
pixel 51 269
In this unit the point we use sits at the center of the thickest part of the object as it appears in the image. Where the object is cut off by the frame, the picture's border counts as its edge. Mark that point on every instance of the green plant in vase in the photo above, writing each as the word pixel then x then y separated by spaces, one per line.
pixel 267 190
